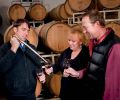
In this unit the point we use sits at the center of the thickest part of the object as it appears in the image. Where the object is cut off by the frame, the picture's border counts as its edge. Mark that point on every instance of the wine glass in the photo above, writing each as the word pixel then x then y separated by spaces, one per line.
pixel 66 63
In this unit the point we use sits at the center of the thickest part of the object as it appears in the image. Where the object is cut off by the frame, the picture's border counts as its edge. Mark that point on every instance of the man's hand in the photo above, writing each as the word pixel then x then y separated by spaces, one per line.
pixel 41 77
pixel 14 44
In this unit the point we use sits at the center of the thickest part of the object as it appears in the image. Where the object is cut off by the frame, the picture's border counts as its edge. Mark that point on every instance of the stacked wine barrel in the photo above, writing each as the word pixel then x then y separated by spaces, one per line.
pixel 35 11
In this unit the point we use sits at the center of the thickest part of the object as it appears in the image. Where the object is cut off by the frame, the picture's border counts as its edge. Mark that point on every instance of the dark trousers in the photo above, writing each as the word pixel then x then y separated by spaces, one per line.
pixel 27 97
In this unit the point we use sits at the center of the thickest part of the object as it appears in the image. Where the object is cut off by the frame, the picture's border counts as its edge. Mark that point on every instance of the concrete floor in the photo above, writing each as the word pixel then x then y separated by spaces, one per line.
pixel 48 99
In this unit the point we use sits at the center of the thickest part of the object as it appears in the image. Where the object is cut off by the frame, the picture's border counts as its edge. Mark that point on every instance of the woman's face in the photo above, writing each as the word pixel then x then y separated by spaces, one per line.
pixel 74 41
pixel 22 31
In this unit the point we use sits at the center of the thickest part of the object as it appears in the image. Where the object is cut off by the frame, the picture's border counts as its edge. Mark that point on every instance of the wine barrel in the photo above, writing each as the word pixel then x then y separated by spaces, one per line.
pixel 16 11
pixel 68 9
pixel 59 13
pixel 37 11
pixel 38 88
pixel 63 12
pixel 55 13
pixel 32 37
pixel 53 83
pixel 110 4
pixel 79 5
pixel 54 35
pixel 115 26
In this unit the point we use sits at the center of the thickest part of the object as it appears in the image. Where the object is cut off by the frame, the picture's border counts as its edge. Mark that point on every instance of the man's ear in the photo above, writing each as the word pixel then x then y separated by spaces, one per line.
pixel 97 23
pixel 15 29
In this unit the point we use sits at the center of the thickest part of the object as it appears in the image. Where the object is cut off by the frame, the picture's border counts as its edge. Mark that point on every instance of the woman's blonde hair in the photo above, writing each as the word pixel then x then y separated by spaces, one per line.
pixel 77 30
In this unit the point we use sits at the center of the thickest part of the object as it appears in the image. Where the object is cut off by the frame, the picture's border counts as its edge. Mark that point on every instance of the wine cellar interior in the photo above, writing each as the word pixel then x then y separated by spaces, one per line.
pixel 50 21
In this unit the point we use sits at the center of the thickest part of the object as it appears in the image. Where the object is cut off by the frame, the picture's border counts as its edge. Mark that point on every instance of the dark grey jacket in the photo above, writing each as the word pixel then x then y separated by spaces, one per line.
pixel 19 70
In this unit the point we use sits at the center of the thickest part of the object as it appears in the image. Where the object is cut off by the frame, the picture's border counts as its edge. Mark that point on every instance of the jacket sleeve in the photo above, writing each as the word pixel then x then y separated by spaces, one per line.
pixel 112 79
pixel 6 59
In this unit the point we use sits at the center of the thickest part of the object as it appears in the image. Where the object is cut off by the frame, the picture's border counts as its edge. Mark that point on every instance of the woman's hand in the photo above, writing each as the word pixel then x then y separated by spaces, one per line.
pixel 72 72
pixel 78 74
pixel 48 70
pixel 65 73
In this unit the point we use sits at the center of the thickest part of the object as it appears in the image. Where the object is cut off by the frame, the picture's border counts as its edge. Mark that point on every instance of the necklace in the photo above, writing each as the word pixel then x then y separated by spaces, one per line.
pixel 75 53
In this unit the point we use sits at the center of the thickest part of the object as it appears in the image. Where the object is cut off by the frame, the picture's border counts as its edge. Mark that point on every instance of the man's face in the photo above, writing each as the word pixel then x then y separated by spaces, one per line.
pixel 88 27
pixel 22 31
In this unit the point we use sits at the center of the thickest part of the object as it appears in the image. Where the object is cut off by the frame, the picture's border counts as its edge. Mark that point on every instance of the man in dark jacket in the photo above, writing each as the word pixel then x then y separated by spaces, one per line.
pixel 19 65
pixel 104 66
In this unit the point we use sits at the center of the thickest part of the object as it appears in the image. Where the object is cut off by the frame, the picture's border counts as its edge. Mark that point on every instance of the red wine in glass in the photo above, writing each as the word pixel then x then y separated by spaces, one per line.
pixel 66 63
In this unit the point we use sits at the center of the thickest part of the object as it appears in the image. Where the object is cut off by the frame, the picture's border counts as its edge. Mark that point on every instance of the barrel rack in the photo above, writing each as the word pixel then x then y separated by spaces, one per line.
pixel 27 1
pixel 76 18
pixel 51 56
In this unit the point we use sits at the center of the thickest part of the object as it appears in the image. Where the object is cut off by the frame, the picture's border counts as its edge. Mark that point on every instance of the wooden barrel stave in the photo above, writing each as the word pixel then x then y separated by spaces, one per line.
pixel 37 11
pixel 79 5
pixel 16 11
pixel 53 83
pixel 38 88
pixel 110 4
pixel 54 35
pixel 115 26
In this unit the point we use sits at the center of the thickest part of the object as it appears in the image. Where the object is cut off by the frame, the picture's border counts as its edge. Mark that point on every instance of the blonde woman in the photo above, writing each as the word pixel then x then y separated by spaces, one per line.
pixel 72 63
